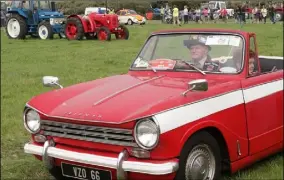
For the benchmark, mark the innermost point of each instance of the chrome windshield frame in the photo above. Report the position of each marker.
(193, 33)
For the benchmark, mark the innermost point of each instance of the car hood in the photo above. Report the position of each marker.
(50, 13)
(138, 17)
(116, 99)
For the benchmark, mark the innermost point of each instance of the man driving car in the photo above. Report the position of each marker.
(199, 53)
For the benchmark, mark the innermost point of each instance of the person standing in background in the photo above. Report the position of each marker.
(176, 15)
(224, 13)
(271, 12)
(253, 15)
(185, 15)
(162, 12)
(264, 13)
(197, 15)
(205, 14)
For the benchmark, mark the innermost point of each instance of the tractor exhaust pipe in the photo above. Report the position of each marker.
(53, 6)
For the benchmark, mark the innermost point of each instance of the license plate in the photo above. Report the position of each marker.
(84, 173)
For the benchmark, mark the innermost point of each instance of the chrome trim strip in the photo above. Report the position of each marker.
(271, 57)
(91, 159)
(120, 173)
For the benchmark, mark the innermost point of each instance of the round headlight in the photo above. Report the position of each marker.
(32, 121)
(147, 134)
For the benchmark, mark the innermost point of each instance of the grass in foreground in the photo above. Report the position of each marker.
(24, 62)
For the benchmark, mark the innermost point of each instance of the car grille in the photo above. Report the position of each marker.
(112, 136)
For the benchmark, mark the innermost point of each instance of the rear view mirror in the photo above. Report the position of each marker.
(197, 85)
(51, 81)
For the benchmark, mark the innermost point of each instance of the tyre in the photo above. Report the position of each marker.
(123, 33)
(200, 158)
(45, 30)
(129, 22)
(16, 27)
(104, 34)
(278, 17)
(74, 29)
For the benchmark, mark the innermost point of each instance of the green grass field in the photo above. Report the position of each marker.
(25, 62)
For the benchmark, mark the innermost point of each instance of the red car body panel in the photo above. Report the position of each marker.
(246, 111)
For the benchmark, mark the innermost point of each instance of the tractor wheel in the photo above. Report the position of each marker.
(74, 29)
(123, 33)
(16, 27)
(104, 34)
(45, 30)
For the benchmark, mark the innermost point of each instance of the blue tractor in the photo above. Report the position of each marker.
(37, 18)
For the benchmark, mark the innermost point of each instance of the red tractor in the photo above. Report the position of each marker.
(95, 26)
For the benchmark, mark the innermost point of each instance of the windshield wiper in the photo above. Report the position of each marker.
(153, 69)
(194, 67)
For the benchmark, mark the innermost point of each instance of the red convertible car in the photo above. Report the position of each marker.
(195, 103)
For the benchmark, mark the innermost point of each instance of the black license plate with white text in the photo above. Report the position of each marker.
(84, 173)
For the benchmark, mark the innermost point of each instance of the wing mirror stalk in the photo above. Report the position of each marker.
(51, 81)
(197, 85)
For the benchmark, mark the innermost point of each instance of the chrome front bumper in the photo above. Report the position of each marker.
(49, 152)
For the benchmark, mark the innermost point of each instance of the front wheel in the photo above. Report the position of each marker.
(104, 34)
(45, 30)
(129, 22)
(200, 158)
(123, 33)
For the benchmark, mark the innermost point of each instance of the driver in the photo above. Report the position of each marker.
(199, 53)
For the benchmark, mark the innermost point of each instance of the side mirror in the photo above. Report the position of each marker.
(52, 6)
(197, 85)
(51, 81)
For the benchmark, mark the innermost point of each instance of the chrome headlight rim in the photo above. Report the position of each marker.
(153, 120)
(26, 124)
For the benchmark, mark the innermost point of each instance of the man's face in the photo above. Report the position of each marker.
(198, 52)
(251, 65)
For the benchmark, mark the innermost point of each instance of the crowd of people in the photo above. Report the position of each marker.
(241, 14)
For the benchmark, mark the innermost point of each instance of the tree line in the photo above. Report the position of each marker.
(140, 6)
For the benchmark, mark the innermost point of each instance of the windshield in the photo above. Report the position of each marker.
(207, 52)
(132, 12)
(42, 4)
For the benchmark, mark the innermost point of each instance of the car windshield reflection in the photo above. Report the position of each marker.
(213, 53)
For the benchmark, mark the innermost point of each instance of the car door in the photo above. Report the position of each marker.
(121, 17)
(263, 96)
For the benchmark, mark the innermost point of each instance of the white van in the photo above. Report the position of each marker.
(99, 10)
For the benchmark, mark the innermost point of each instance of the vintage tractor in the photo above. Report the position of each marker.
(34, 17)
(95, 26)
